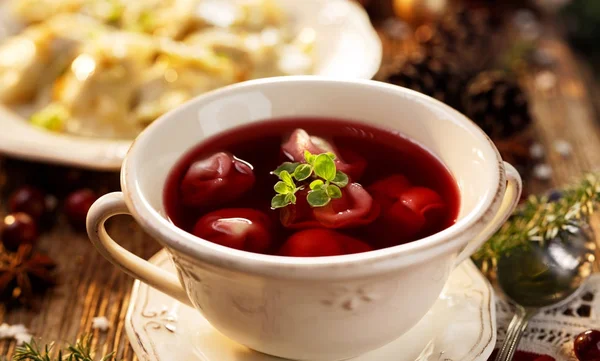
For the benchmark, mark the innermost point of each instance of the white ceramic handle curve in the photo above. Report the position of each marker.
(113, 204)
(509, 203)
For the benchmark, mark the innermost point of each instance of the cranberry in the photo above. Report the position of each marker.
(28, 200)
(72, 178)
(587, 346)
(61, 181)
(77, 206)
(18, 228)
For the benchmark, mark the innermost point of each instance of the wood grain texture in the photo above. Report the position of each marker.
(90, 286)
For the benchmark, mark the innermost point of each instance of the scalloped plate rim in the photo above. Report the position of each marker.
(480, 350)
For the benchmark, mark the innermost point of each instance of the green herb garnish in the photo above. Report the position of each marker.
(325, 180)
(540, 219)
(287, 166)
(286, 190)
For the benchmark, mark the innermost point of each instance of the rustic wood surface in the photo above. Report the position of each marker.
(90, 286)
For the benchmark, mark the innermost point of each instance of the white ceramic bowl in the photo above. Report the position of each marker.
(347, 46)
(322, 308)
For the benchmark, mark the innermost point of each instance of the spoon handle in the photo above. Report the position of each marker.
(515, 330)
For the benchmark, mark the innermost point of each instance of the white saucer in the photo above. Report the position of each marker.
(460, 327)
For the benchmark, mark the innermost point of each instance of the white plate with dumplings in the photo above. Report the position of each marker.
(79, 79)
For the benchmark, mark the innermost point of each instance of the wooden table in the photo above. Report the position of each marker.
(90, 286)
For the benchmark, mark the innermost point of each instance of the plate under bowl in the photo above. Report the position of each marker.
(461, 326)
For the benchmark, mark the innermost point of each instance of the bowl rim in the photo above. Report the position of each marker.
(200, 251)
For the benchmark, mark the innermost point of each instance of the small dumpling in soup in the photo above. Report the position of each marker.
(217, 179)
(354, 208)
(406, 210)
(346, 161)
(239, 228)
(320, 242)
(289, 196)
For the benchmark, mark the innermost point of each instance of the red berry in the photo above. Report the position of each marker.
(587, 346)
(17, 229)
(72, 178)
(321, 242)
(28, 200)
(77, 206)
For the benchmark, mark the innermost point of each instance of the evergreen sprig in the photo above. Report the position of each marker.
(81, 351)
(542, 218)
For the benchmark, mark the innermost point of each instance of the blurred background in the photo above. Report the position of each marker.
(484, 58)
(525, 71)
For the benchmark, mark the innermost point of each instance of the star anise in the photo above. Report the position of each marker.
(24, 273)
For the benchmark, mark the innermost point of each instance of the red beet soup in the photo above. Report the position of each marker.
(308, 187)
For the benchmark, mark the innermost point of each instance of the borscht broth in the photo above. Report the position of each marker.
(308, 187)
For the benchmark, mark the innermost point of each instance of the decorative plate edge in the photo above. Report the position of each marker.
(485, 344)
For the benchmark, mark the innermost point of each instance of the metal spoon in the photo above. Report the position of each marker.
(543, 277)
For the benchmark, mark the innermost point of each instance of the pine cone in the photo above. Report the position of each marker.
(437, 77)
(497, 104)
(464, 34)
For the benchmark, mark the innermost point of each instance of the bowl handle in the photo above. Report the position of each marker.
(510, 200)
(113, 204)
